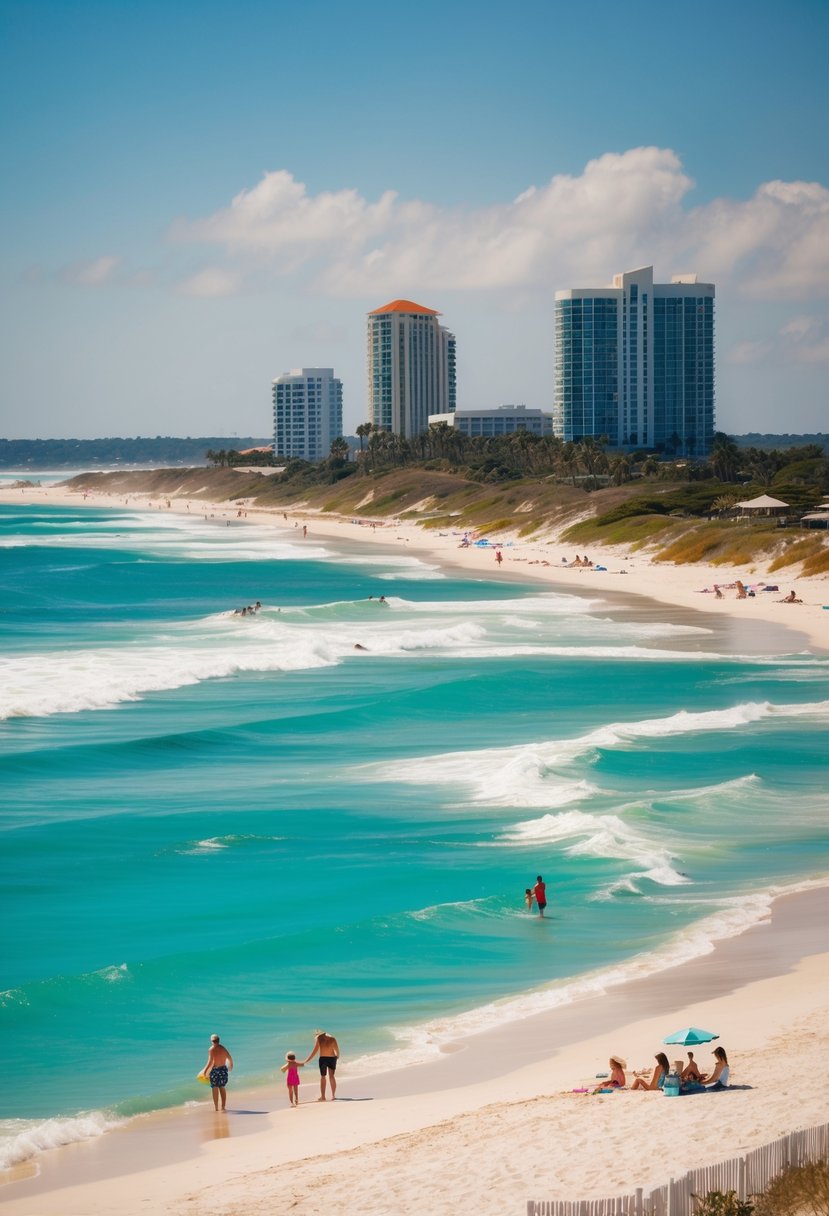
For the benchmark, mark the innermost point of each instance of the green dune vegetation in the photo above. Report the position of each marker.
(523, 485)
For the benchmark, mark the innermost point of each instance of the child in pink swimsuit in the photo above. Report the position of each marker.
(291, 1067)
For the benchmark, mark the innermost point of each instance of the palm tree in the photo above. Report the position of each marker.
(339, 450)
(621, 469)
(569, 461)
(363, 429)
(591, 455)
(724, 457)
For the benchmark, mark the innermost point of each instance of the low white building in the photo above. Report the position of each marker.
(307, 412)
(501, 421)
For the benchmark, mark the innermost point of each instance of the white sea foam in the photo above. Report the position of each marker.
(730, 918)
(113, 974)
(433, 910)
(604, 835)
(181, 536)
(218, 844)
(409, 569)
(526, 774)
(21, 1139)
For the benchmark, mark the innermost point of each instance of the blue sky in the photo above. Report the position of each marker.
(200, 197)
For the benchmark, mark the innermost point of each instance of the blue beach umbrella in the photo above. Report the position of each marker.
(691, 1036)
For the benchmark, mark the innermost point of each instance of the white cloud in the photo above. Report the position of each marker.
(96, 273)
(806, 339)
(803, 339)
(750, 352)
(623, 210)
(212, 283)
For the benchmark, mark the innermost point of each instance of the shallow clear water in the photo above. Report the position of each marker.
(246, 825)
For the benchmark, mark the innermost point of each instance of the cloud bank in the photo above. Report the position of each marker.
(624, 210)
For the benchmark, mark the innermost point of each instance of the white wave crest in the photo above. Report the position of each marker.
(113, 974)
(526, 774)
(21, 1139)
(598, 836)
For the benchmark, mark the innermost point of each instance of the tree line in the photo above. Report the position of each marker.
(589, 463)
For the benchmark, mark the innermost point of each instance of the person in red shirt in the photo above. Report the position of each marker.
(540, 893)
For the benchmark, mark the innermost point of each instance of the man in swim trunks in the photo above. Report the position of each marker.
(329, 1052)
(219, 1063)
(540, 893)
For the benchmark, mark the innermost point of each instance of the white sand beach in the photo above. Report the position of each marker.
(538, 559)
(495, 1122)
(497, 1119)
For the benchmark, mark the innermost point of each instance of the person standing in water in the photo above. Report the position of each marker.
(329, 1053)
(219, 1063)
(540, 893)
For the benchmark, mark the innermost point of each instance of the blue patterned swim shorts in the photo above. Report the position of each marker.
(218, 1076)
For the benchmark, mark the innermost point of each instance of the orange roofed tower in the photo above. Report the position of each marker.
(409, 306)
(411, 367)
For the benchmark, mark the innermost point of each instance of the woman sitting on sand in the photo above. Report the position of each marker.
(617, 1078)
(718, 1079)
(659, 1074)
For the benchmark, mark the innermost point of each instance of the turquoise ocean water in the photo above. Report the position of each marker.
(243, 824)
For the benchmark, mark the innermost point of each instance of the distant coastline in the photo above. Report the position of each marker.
(33, 455)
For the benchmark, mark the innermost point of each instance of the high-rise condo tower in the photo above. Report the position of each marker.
(635, 362)
(411, 367)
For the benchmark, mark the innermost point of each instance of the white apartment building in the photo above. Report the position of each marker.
(307, 412)
(411, 367)
(501, 421)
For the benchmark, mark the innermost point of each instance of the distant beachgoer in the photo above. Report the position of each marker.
(717, 592)
(659, 1074)
(791, 598)
(741, 591)
(357, 646)
(499, 557)
(617, 1078)
(528, 899)
(219, 1063)
(690, 1072)
(718, 1079)
(382, 600)
(304, 529)
(329, 1053)
(540, 893)
(291, 1067)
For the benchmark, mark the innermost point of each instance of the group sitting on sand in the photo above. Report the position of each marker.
(688, 1078)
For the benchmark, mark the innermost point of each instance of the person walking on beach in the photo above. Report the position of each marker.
(329, 1052)
(291, 1067)
(540, 893)
(219, 1063)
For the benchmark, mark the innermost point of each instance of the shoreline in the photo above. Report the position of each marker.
(411, 1102)
(521, 1073)
(629, 577)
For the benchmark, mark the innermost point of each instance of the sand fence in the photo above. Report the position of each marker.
(746, 1176)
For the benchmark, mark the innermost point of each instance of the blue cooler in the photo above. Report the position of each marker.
(671, 1087)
